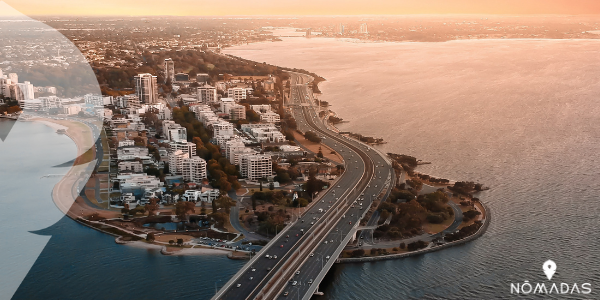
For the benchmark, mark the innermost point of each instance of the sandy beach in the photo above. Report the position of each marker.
(65, 192)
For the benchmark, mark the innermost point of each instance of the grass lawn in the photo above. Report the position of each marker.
(167, 237)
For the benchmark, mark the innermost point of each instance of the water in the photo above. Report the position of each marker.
(166, 226)
(77, 262)
(520, 116)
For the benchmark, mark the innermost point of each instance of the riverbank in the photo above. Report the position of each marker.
(66, 192)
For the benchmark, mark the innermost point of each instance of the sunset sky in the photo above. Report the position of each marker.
(302, 7)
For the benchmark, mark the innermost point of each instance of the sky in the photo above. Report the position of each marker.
(300, 7)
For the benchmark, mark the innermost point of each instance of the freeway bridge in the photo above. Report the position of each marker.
(293, 263)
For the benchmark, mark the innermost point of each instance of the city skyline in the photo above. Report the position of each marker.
(311, 7)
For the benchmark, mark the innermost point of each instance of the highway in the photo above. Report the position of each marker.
(367, 172)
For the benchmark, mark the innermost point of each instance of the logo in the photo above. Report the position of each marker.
(549, 267)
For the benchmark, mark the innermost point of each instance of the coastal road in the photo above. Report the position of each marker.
(315, 267)
(290, 246)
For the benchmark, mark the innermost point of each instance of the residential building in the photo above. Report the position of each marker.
(237, 112)
(169, 70)
(131, 152)
(174, 132)
(236, 93)
(26, 91)
(223, 128)
(206, 195)
(226, 103)
(176, 162)
(193, 169)
(133, 166)
(143, 180)
(269, 117)
(207, 94)
(256, 166)
(146, 88)
(187, 148)
(13, 77)
(95, 100)
(363, 29)
(165, 114)
(261, 108)
(126, 143)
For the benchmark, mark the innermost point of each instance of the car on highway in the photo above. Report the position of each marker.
(327, 257)
(310, 281)
(238, 285)
(286, 293)
(312, 254)
(295, 283)
(297, 272)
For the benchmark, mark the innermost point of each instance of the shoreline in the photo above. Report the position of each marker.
(64, 193)
(476, 235)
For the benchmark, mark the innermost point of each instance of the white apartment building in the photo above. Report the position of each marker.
(26, 90)
(126, 143)
(236, 93)
(261, 108)
(187, 148)
(71, 109)
(130, 152)
(138, 180)
(174, 132)
(146, 88)
(50, 102)
(222, 128)
(231, 147)
(256, 166)
(31, 104)
(176, 162)
(169, 70)
(269, 117)
(133, 166)
(207, 94)
(165, 114)
(207, 195)
(194, 169)
(248, 127)
(95, 100)
(267, 134)
(225, 104)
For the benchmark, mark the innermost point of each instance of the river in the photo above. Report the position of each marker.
(520, 116)
(49, 256)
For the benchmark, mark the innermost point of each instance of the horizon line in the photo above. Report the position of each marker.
(313, 15)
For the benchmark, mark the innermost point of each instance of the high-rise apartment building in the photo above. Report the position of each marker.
(169, 70)
(146, 88)
(363, 28)
(256, 166)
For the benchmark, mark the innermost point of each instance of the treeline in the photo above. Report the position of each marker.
(366, 139)
(10, 107)
(466, 187)
(464, 232)
(409, 212)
